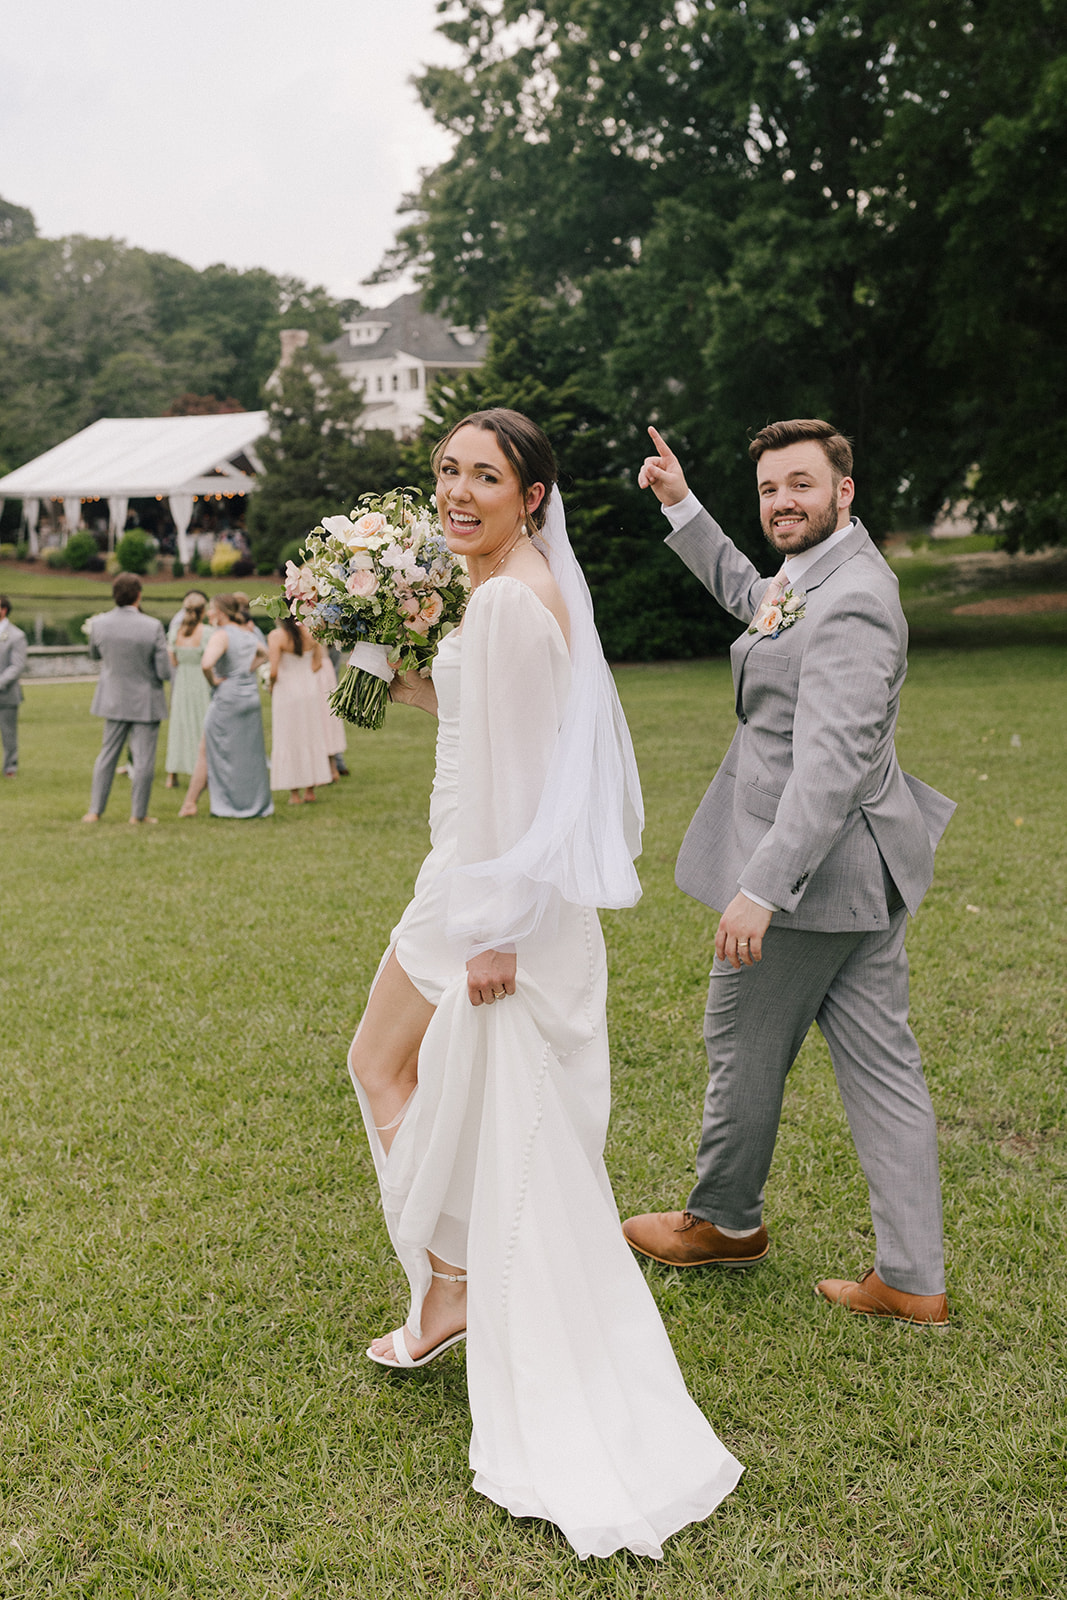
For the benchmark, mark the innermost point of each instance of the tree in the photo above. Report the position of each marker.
(16, 224)
(763, 208)
(317, 460)
(93, 327)
(647, 606)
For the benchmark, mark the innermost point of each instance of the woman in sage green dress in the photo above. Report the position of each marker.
(238, 778)
(190, 692)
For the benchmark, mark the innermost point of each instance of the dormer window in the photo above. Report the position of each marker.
(364, 333)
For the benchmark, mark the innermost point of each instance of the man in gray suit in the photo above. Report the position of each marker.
(129, 696)
(814, 846)
(12, 666)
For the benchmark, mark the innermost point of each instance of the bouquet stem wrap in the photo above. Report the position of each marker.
(362, 694)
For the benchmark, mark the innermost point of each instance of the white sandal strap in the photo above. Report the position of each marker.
(386, 1127)
(450, 1277)
(400, 1349)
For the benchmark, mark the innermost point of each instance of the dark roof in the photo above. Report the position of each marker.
(412, 330)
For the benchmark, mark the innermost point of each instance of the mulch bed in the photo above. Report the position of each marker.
(1022, 605)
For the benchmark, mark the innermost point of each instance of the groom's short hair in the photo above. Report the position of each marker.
(126, 588)
(835, 447)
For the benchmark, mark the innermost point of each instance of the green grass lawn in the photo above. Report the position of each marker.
(196, 1260)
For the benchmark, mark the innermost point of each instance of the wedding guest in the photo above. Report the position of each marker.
(814, 845)
(12, 666)
(336, 737)
(298, 755)
(190, 693)
(132, 650)
(195, 597)
(481, 1062)
(245, 619)
(234, 766)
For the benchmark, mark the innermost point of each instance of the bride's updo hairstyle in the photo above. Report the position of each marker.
(525, 446)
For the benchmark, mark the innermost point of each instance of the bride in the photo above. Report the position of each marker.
(481, 1062)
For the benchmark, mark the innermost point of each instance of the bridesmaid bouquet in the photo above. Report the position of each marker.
(382, 583)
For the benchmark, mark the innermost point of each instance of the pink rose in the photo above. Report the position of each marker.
(432, 608)
(407, 604)
(370, 524)
(361, 584)
(419, 624)
(769, 619)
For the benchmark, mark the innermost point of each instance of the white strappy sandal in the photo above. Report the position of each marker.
(404, 1358)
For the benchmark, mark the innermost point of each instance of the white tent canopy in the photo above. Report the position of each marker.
(125, 458)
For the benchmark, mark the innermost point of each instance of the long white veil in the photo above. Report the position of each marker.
(586, 831)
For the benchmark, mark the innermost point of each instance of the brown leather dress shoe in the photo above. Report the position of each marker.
(678, 1239)
(873, 1298)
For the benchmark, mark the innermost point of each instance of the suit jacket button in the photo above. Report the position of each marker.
(743, 717)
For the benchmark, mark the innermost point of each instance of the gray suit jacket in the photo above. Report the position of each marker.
(810, 799)
(12, 665)
(133, 650)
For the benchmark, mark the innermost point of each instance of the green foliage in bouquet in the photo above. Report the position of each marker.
(382, 577)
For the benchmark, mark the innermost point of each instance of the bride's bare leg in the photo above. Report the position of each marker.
(444, 1312)
(385, 1056)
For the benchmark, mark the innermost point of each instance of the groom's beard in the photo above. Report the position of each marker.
(812, 529)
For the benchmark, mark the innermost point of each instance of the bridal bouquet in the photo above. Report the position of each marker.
(382, 583)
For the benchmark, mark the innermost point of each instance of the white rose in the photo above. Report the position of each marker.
(339, 527)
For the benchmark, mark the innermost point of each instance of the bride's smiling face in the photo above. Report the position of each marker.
(479, 497)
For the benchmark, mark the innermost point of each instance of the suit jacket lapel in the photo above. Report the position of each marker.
(833, 558)
(811, 580)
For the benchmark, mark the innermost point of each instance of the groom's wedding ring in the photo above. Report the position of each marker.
(742, 941)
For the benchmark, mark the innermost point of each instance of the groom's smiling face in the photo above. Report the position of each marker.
(801, 503)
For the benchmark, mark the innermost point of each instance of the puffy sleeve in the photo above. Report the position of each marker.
(514, 687)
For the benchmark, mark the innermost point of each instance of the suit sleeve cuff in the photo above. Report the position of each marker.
(683, 512)
(759, 900)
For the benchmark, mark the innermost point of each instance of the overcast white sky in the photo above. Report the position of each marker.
(254, 132)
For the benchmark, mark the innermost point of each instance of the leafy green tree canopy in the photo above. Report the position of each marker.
(757, 208)
(317, 459)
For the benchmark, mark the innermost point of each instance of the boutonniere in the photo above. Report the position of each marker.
(773, 617)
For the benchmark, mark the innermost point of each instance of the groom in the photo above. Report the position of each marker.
(814, 845)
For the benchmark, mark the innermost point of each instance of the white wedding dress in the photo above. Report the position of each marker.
(579, 1409)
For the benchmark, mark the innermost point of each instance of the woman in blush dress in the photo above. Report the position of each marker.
(298, 755)
(237, 775)
(190, 694)
(336, 738)
(481, 1062)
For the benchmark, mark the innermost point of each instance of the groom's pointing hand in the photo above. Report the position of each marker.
(663, 473)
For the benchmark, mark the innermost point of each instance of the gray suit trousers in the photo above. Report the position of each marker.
(855, 986)
(9, 733)
(142, 737)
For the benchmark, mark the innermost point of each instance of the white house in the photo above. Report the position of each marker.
(393, 353)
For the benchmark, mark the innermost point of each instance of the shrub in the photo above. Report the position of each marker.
(224, 558)
(80, 550)
(201, 567)
(96, 563)
(8, 552)
(178, 568)
(55, 557)
(242, 568)
(291, 552)
(264, 569)
(135, 551)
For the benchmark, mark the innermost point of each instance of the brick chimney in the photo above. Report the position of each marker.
(293, 339)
